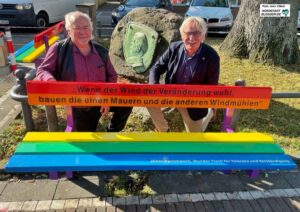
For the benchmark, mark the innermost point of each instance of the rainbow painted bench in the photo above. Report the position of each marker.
(56, 152)
(67, 152)
(33, 49)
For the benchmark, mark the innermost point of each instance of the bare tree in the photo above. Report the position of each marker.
(270, 40)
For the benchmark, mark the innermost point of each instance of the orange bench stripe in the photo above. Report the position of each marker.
(85, 100)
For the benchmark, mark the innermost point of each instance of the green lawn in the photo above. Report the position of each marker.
(282, 119)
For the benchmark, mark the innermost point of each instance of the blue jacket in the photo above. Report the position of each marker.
(207, 70)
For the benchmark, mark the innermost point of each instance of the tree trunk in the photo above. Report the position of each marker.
(270, 40)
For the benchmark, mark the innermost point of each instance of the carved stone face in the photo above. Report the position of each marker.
(139, 45)
(137, 49)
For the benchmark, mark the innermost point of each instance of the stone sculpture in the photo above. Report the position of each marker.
(139, 46)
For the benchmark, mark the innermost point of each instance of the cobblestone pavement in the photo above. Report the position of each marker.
(175, 191)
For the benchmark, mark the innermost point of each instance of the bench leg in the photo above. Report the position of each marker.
(56, 175)
(253, 173)
(53, 175)
(227, 171)
(69, 174)
(70, 124)
(226, 127)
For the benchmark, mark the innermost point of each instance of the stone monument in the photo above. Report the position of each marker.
(131, 48)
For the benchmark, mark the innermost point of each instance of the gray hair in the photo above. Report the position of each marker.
(199, 22)
(72, 16)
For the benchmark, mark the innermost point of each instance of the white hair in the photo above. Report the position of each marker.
(199, 23)
(72, 16)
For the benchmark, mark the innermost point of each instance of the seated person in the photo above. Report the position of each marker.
(78, 59)
(189, 61)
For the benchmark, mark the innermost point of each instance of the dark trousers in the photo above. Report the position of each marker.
(86, 119)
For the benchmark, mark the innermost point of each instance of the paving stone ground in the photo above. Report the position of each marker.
(175, 191)
(269, 204)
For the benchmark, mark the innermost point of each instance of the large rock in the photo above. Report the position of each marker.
(164, 22)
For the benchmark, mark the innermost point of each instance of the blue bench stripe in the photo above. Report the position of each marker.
(96, 162)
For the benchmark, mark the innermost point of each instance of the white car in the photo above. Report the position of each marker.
(39, 13)
(216, 13)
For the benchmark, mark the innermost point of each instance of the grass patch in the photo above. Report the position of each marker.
(11, 137)
(133, 184)
(281, 121)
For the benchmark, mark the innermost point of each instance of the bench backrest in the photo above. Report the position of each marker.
(116, 94)
(39, 39)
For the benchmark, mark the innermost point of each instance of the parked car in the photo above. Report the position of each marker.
(39, 13)
(216, 13)
(128, 5)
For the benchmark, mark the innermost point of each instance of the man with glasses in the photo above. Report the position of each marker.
(79, 59)
(189, 61)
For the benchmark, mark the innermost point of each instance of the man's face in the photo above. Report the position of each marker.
(80, 32)
(192, 38)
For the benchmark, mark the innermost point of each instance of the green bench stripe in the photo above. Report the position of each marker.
(146, 147)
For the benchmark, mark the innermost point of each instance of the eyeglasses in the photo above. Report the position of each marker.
(84, 28)
(195, 33)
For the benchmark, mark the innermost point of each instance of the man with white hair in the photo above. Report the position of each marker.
(189, 61)
(79, 59)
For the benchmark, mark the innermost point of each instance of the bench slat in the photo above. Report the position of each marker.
(146, 147)
(96, 162)
(147, 136)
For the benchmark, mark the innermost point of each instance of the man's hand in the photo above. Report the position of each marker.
(104, 110)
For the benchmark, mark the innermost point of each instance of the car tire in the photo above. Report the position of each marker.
(42, 20)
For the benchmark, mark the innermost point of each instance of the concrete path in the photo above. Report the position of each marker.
(9, 108)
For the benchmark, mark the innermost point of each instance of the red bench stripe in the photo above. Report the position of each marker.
(114, 94)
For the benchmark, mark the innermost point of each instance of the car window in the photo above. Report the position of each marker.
(142, 3)
(210, 3)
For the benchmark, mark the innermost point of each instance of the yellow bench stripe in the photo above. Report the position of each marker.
(146, 136)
